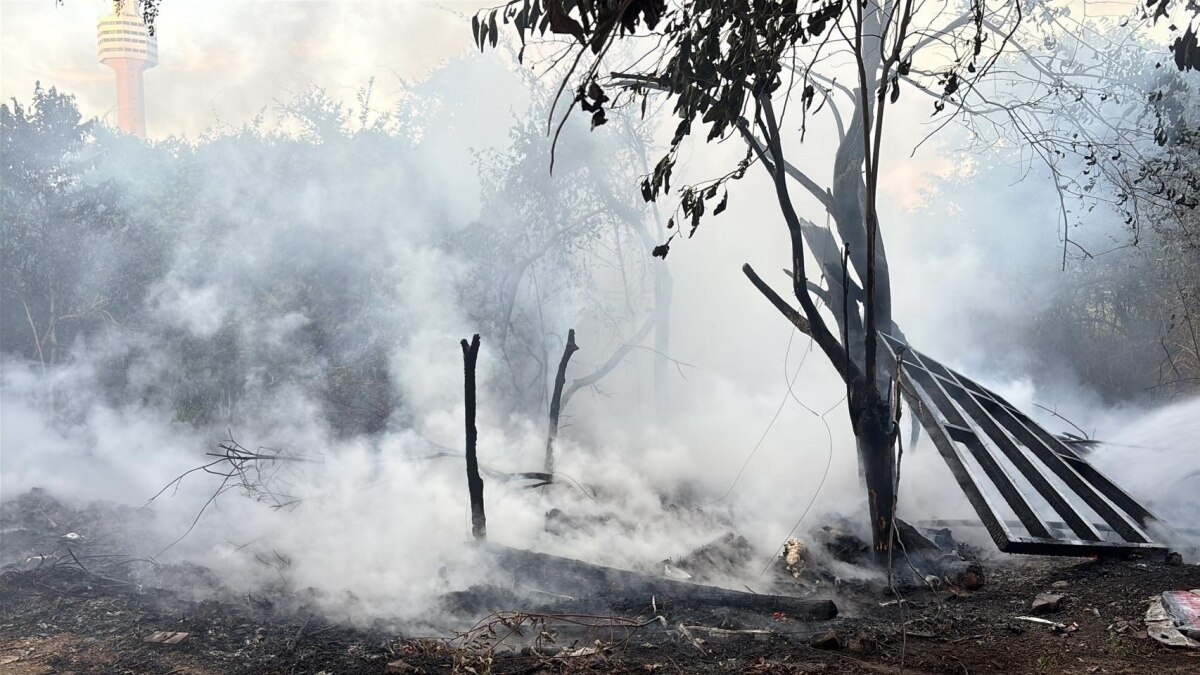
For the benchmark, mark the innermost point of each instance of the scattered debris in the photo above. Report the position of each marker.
(1161, 627)
(725, 556)
(843, 546)
(687, 635)
(1054, 625)
(944, 539)
(1173, 619)
(928, 559)
(756, 634)
(1046, 603)
(1060, 584)
(401, 666)
(827, 640)
(165, 637)
(1123, 627)
(794, 553)
(1038, 620)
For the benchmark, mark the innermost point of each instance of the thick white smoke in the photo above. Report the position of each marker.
(759, 432)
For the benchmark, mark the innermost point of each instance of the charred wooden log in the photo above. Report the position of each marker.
(575, 578)
(927, 558)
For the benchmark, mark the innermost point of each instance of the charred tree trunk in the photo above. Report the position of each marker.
(474, 482)
(560, 379)
(874, 436)
(874, 431)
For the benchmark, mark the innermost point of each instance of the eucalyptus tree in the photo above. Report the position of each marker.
(763, 72)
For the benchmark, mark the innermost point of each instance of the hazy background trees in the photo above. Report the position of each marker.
(180, 274)
(1119, 320)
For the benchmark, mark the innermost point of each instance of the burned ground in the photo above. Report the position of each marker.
(81, 608)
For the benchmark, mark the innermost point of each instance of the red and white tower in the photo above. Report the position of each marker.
(127, 47)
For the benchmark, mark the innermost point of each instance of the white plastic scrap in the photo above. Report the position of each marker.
(794, 554)
(1055, 626)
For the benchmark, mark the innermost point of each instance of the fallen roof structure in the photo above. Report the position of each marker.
(1016, 475)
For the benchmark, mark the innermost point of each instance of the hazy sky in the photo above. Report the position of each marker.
(225, 59)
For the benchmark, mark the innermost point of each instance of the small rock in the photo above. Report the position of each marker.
(863, 644)
(827, 640)
(1174, 558)
(971, 577)
(1045, 603)
(1059, 584)
(400, 667)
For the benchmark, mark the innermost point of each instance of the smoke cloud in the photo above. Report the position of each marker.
(294, 253)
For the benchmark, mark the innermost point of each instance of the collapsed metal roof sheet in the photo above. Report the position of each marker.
(1033, 492)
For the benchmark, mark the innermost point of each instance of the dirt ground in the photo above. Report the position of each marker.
(82, 613)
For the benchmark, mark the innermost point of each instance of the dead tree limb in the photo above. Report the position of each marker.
(556, 401)
(255, 473)
(612, 362)
(784, 308)
(474, 482)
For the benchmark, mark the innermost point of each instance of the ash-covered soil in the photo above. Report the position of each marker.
(83, 609)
